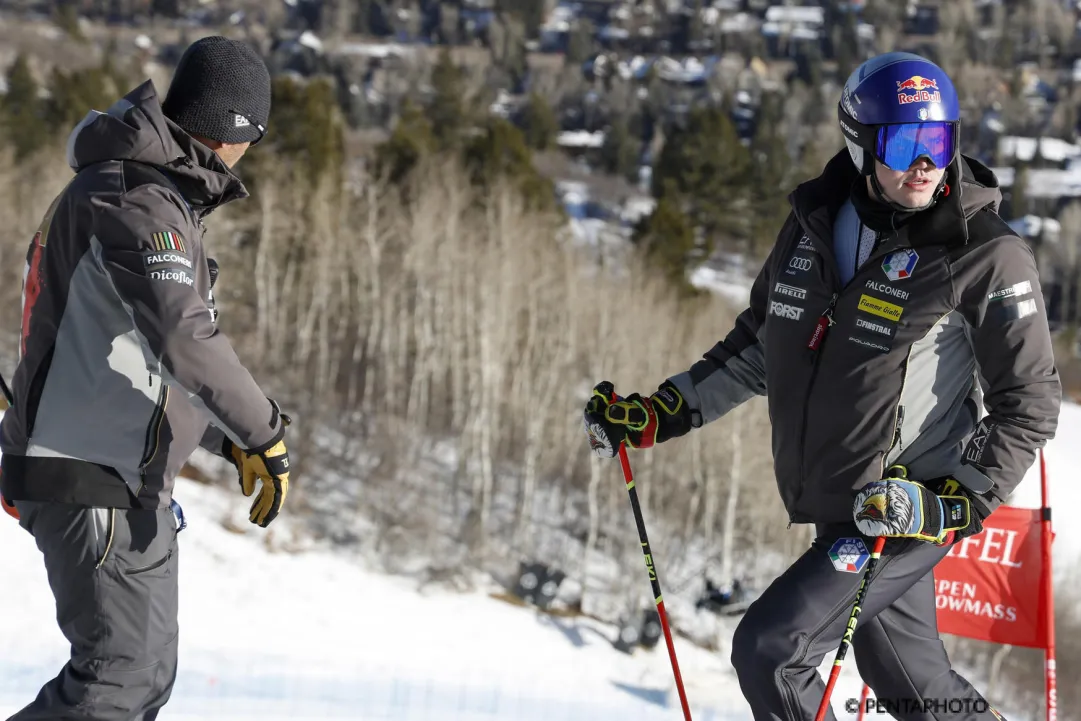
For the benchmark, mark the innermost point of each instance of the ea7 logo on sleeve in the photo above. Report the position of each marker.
(874, 306)
(783, 310)
(974, 452)
(790, 291)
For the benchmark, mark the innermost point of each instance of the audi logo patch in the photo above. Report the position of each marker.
(798, 263)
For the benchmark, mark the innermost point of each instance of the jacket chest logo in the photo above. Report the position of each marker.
(900, 264)
(790, 290)
(799, 264)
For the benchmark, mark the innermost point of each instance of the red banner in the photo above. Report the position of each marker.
(989, 585)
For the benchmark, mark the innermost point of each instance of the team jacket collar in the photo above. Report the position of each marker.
(969, 187)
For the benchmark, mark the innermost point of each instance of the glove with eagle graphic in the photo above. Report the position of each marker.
(641, 422)
(897, 507)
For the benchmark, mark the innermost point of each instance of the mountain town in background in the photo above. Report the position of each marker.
(467, 212)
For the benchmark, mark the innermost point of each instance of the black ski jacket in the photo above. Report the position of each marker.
(945, 319)
(122, 370)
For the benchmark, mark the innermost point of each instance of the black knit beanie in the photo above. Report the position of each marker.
(220, 91)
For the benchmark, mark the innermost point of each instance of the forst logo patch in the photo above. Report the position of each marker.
(783, 310)
(924, 90)
(900, 264)
(849, 554)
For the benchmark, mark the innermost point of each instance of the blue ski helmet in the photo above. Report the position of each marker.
(897, 108)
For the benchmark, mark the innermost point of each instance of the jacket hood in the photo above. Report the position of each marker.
(969, 187)
(136, 129)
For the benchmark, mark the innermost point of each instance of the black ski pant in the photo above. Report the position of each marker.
(113, 573)
(800, 619)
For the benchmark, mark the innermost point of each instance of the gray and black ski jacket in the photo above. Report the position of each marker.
(945, 319)
(122, 371)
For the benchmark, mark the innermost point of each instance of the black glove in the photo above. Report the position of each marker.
(938, 511)
(641, 422)
(270, 465)
(952, 492)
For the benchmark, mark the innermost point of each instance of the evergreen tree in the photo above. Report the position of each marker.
(447, 107)
(165, 8)
(539, 123)
(411, 139)
(529, 12)
(771, 171)
(705, 162)
(73, 94)
(506, 46)
(499, 153)
(666, 237)
(619, 154)
(847, 44)
(66, 17)
(307, 127)
(580, 43)
(21, 111)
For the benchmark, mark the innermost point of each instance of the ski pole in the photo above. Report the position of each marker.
(637, 508)
(846, 639)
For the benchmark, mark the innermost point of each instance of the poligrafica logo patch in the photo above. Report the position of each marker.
(849, 554)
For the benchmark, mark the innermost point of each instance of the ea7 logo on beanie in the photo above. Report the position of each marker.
(240, 121)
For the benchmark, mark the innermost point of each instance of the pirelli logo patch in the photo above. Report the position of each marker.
(881, 308)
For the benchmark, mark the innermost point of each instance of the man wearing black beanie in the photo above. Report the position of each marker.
(123, 374)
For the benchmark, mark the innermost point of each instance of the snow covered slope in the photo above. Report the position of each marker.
(305, 633)
(312, 634)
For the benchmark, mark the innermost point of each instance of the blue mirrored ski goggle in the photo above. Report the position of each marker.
(899, 146)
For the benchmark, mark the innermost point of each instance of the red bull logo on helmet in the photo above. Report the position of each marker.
(922, 90)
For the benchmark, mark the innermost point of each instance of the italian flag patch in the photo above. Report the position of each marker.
(168, 240)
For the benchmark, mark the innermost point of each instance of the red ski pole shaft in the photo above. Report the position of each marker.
(637, 508)
(846, 639)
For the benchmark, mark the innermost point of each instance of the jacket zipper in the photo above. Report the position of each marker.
(818, 337)
(900, 416)
(153, 431)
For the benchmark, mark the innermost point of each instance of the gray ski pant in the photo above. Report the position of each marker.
(799, 619)
(113, 573)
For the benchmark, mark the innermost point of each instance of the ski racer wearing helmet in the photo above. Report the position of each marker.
(899, 333)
